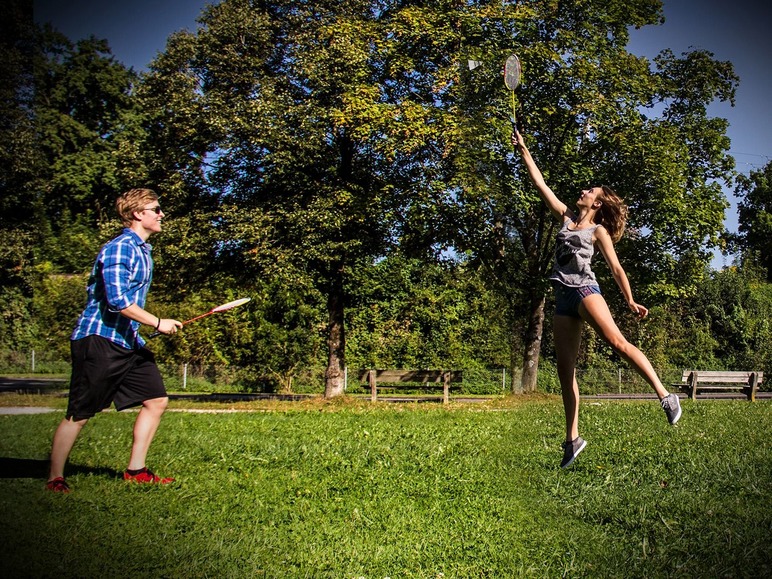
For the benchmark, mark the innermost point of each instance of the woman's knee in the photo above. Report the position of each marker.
(621, 345)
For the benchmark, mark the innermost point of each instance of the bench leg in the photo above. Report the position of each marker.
(693, 385)
(446, 389)
(753, 388)
(373, 386)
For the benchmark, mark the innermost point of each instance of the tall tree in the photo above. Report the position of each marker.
(276, 90)
(755, 211)
(589, 106)
(85, 116)
(348, 127)
(19, 163)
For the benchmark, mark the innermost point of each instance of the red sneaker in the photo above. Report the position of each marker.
(58, 485)
(146, 476)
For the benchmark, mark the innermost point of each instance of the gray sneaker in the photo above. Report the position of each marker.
(672, 407)
(571, 450)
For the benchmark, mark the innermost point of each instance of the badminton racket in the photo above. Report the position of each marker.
(222, 308)
(512, 71)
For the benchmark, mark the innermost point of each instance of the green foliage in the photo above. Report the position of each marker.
(393, 491)
(84, 112)
(340, 164)
(755, 213)
(405, 313)
(17, 278)
(732, 313)
(58, 301)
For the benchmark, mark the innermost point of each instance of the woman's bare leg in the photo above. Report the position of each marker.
(595, 312)
(568, 338)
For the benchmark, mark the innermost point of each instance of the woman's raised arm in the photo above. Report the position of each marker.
(556, 206)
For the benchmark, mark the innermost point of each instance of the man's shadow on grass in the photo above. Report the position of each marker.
(38, 468)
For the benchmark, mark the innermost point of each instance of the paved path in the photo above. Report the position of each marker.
(7, 410)
(54, 385)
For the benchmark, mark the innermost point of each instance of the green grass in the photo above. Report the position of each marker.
(351, 490)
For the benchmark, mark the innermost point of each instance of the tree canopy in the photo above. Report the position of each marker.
(341, 162)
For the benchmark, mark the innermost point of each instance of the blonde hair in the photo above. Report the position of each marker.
(612, 213)
(131, 201)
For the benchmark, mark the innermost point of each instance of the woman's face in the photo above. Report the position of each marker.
(589, 197)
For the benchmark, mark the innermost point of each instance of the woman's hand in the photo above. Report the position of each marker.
(517, 139)
(639, 310)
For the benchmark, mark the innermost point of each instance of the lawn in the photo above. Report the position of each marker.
(350, 490)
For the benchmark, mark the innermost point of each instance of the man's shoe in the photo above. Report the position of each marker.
(146, 476)
(571, 450)
(58, 485)
(672, 407)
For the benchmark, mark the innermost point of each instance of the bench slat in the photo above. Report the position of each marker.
(692, 380)
(723, 379)
(394, 376)
(410, 379)
(717, 376)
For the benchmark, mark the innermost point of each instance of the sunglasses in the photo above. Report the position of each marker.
(156, 209)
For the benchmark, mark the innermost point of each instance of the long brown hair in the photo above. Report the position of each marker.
(612, 213)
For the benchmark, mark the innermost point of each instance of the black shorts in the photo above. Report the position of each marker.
(104, 373)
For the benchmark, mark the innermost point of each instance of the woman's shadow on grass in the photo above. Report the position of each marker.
(38, 468)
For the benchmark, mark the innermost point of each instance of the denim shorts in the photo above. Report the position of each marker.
(567, 299)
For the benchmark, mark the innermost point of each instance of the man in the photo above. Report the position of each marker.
(109, 361)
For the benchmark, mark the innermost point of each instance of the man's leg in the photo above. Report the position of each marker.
(145, 427)
(64, 439)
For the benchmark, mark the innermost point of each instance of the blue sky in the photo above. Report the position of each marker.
(736, 31)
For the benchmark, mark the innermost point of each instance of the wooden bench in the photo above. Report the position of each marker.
(416, 379)
(748, 382)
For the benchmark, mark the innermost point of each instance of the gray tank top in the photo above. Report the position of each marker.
(573, 253)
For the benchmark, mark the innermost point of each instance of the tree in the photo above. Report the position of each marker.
(350, 128)
(84, 114)
(278, 92)
(755, 212)
(582, 100)
(407, 313)
(733, 309)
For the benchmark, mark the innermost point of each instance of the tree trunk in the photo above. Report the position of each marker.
(533, 342)
(334, 376)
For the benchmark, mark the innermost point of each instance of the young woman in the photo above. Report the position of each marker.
(599, 221)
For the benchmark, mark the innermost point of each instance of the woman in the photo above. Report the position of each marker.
(599, 221)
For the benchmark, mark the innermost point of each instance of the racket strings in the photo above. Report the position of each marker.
(230, 305)
(512, 71)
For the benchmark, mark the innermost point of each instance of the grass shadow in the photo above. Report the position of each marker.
(23, 467)
(38, 468)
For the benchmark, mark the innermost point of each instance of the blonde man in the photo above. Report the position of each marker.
(110, 364)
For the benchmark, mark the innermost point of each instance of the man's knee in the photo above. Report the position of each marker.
(156, 404)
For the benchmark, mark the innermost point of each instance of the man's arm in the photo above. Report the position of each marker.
(163, 325)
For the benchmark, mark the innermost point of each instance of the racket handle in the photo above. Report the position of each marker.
(153, 335)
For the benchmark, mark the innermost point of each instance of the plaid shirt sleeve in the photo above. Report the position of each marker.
(121, 277)
(119, 263)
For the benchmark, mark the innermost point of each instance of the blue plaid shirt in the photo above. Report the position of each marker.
(121, 277)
